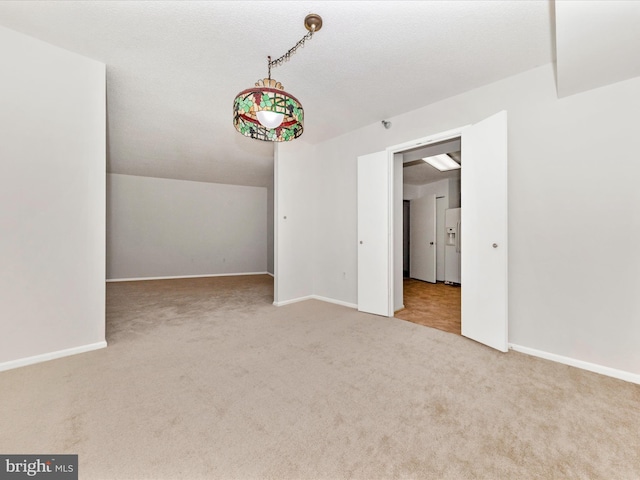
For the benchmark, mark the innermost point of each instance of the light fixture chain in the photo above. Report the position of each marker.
(292, 50)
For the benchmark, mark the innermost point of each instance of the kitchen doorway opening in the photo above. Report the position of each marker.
(431, 248)
(484, 238)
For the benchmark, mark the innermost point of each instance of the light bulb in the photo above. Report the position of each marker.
(270, 119)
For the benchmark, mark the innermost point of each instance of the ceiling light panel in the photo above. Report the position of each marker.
(442, 162)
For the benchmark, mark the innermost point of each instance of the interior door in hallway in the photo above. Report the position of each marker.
(442, 203)
(423, 238)
(406, 222)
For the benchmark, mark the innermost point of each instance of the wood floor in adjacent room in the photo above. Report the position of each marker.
(434, 305)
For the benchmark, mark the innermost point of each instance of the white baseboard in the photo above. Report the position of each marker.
(315, 297)
(337, 302)
(270, 274)
(294, 300)
(23, 362)
(592, 367)
(139, 279)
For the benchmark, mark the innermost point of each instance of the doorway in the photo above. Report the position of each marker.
(428, 193)
(484, 237)
(433, 305)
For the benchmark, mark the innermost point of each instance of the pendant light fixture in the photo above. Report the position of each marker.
(266, 112)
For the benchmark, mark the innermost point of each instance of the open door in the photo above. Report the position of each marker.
(374, 275)
(484, 232)
(423, 238)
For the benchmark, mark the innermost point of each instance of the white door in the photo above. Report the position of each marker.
(442, 203)
(422, 262)
(484, 232)
(374, 275)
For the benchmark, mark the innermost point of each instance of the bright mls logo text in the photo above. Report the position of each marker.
(58, 467)
(30, 468)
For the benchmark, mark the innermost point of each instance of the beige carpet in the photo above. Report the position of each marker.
(204, 378)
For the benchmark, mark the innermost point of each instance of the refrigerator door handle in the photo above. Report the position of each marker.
(458, 237)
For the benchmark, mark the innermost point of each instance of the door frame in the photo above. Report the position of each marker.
(440, 228)
(394, 198)
(394, 157)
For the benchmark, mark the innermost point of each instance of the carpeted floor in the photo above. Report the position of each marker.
(205, 379)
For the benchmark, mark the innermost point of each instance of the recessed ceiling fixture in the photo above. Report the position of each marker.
(442, 162)
(266, 112)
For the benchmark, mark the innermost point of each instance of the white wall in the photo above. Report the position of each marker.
(398, 233)
(449, 188)
(294, 227)
(454, 192)
(270, 220)
(157, 227)
(439, 189)
(572, 282)
(410, 192)
(52, 201)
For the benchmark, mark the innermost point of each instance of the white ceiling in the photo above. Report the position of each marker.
(598, 43)
(422, 173)
(417, 172)
(174, 68)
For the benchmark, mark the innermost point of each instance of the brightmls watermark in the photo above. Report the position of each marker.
(46, 467)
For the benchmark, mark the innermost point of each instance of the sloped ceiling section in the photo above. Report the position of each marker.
(174, 68)
(597, 43)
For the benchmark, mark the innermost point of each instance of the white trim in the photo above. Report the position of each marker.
(401, 308)
(592, 367)
(139, 279)
(421, 142)
(270, 274)
(45, 357)
(316, 297)
(294, 300)
(334, 301)
(276, 228)
(391, 151)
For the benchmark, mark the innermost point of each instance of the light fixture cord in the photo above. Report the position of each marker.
(290, 52)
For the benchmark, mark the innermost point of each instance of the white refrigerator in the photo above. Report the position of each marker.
(452, 250)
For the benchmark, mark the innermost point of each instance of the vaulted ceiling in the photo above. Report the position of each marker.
(174, 68)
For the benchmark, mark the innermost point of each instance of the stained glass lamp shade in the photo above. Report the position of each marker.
(268, 113)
